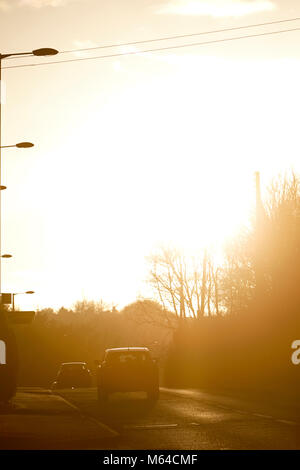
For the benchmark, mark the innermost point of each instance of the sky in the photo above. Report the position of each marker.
(137, 150)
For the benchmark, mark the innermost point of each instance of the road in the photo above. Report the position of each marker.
(187, 419)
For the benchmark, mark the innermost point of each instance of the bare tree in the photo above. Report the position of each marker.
(185, 285)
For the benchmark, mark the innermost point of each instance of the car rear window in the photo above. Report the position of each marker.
(127, 357)
(72, 368)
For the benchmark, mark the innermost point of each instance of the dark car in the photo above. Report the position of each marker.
(72, 375)
(128, 370)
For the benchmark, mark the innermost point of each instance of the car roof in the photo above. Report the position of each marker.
(72, 363)
(126, 349)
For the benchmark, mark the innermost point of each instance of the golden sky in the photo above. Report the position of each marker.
(136, 150)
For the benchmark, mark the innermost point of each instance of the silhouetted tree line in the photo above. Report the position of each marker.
(83, 333)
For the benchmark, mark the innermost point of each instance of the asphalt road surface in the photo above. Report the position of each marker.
(187, 419)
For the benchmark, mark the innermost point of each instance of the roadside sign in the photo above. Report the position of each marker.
(20, 317)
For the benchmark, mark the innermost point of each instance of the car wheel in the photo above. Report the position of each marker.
(153, 395)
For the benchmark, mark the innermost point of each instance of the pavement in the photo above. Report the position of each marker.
(38, 419)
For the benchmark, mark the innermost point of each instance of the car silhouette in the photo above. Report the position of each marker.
(127, 370)
(72, 375)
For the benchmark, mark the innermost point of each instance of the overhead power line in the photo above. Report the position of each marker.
(181, 36)
(158, 49)
(168, 38)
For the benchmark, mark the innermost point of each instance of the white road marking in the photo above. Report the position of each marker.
(285, 421)
(149, 426)
(262, 416)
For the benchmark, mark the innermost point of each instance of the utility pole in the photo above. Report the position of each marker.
(8, 375)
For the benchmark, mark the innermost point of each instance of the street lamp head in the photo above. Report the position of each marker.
(6, 256)
(24, 145)
(30, 292)
(2, 188)
(44, 51)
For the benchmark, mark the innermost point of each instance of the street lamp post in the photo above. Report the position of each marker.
(35, 52)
